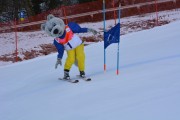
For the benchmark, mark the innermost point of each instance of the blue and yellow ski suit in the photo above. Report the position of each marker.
(73, 45)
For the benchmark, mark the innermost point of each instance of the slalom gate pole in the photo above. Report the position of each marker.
(104, 19)
(117, 71)
(156, 7)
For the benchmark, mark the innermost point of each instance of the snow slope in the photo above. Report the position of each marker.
(148, 87)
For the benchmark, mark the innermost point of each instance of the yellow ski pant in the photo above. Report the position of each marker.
(75, 54)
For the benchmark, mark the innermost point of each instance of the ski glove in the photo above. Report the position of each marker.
(92, 30)
(58, 62)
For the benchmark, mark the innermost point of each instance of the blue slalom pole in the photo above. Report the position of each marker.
(104, 18)
(117, 71)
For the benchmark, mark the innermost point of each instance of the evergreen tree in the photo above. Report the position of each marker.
(82, 1)
(74, 1)
(54, 3)
(36, 6)
(10, 9)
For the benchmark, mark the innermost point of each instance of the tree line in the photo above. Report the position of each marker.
(11, 9)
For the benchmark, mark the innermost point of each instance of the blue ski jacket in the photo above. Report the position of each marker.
(75, 29)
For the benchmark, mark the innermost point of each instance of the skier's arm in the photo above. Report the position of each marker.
(60, 49)
(76, 28)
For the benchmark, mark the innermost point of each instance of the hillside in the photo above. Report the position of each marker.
(147, 88)
(38, 43)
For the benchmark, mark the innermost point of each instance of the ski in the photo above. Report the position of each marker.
(76, 80)
(84, 78)
(70, 80)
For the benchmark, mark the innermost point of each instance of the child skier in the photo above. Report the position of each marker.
(66, 39)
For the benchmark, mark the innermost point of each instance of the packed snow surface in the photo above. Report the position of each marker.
(147, 88)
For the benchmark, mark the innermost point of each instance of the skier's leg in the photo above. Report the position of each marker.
(80, 56)
(69, 61)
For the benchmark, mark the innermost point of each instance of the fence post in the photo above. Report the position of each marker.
(156, 7)
(65, 15)
(114, 12)
(16, 41)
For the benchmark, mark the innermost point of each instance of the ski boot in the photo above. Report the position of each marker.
(82, 74)
(66, 75)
